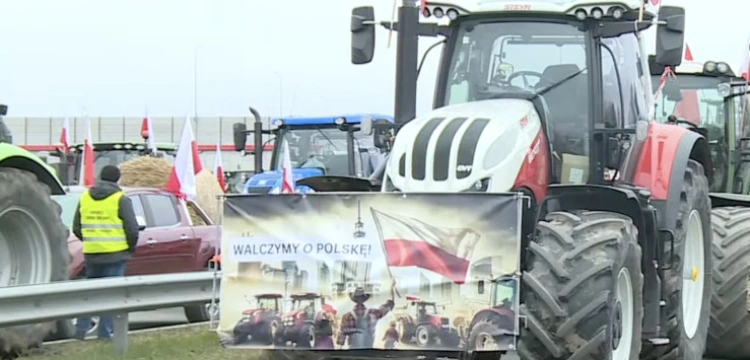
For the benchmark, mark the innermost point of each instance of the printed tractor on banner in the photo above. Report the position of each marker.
(310, 323)
(261, 323)
(494, 328)
(423, 325)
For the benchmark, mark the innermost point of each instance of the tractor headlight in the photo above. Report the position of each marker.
(709, 66)
(277, 122)
(479, 186)
(724, 89)
(722, 67)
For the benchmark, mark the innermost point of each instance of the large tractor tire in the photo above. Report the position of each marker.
(583, 296)
(33, 248)
(687, 282)
(729, 328)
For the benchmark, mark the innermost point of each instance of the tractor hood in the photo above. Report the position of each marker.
(460, 147)
(269, 182)
(293, 313)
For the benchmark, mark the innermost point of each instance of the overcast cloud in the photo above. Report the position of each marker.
(116, 57)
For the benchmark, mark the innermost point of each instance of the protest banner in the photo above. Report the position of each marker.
(370, 271)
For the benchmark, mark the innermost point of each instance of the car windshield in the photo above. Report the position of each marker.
(496, 58)
(324, 148)
(692, 98)
(68, 203)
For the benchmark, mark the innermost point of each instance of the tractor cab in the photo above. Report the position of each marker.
(107, 153)
(321, 146)
(705, 97)
(263, 303)
(526, 95)
(307, 304)
(421, 309)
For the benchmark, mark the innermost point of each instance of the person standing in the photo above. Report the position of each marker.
(106, 223)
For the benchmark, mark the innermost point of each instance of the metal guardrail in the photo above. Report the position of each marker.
(30, 304)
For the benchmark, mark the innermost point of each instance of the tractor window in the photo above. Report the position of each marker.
(268, 303)
(691, 98)
(627, 59)
(494, 59)
(426, 309)
(611, 88)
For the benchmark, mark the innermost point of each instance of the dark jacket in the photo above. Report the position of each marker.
(102, 190)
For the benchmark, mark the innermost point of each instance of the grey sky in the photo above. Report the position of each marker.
(115, 57)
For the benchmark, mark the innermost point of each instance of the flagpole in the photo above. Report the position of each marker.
(385, 252)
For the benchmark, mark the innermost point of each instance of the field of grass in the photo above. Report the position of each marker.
(175, 344)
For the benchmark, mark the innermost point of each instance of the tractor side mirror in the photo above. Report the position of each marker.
(480, 287)
(363, 34)
(240, 136)
(365, 127)
(141, 223)
(670, 35)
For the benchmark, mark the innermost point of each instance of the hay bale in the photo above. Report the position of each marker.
(146, 171)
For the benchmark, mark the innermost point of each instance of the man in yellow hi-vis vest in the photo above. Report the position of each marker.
(106, 223)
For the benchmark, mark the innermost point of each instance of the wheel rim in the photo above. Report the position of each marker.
(212, 310)
(94, 325)
(622, 322)
(692, 274)
(422, 336)
(25, 256)
(311, 333)
(485, 342)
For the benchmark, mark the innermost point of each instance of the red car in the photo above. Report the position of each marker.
(168, 241)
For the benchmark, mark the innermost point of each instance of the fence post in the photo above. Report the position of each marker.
(120, 332)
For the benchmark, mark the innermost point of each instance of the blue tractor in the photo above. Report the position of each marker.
(325, 151)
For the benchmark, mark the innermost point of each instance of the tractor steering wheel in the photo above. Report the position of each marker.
(685, 122)
(524, 74)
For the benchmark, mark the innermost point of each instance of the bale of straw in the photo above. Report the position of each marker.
(146, 171)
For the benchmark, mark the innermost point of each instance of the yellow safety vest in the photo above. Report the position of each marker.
(101, 226)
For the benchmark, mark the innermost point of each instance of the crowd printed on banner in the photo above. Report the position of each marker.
(255, 249)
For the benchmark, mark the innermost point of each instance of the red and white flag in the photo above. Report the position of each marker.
(411, 242)
(87, 176)
(287, 186)
(148, 134)
(65, 135)
(182, 182)
(219, 169)
(689, 107)
(746, 61)
(688, 53)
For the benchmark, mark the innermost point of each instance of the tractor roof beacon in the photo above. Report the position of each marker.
(712, 99)
(605, 182)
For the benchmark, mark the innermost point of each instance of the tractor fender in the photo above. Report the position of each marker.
(727, 200)
(19, 158)
(671, 147)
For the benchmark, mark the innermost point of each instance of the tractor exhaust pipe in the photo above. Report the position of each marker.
(407, 58)
(258, 134)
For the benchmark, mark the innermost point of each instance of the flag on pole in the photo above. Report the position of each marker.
(65, 135)
(287, 186)
(182, 181)
(148, 134)
(87, 176)
(746, 61)
(688, 53)
(411, 242)
(219, 169)
(668, 74)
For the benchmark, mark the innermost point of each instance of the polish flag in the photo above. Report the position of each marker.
(182, 182)
(689, 107)
(87, 177)
(148, 134)
(65, 135)
(287, 186)
(219, 169)
(688, 53)
(411, 242)
(746, 61)
(197, 163)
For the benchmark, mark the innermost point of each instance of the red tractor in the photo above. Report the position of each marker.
(495, 328)
(261, 323)
(424, 326)
(310, 319)
(553, 100)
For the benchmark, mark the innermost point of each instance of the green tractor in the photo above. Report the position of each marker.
(33, 239)
(710, 98)
(107, 153)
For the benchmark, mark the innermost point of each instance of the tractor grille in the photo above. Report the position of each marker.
(259, 190)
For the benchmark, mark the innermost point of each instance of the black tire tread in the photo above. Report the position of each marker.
(694, 195)
(22, 188)
(567, 290)
(729, 328)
